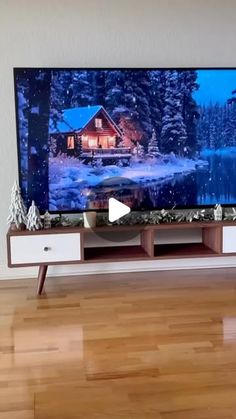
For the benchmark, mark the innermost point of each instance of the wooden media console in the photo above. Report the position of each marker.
(68, 245)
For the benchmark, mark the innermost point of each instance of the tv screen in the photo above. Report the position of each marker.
(170, 132)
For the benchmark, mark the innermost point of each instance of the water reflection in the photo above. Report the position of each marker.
(216, 183)
(207, 185)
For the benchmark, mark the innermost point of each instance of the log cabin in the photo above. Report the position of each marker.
(89, 133)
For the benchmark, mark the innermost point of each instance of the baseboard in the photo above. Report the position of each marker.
(119, 267)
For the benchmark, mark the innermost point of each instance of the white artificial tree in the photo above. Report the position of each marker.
(33, 218)
(47, 220)
(17, 209)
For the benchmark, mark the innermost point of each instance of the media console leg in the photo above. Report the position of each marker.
(41, 278)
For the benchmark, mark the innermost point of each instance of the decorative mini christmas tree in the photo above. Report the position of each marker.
(47, 220)
(218, 213)
(33, 218)
(17, 216)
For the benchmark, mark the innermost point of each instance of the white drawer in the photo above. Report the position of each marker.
(45, 248)
(229, 239)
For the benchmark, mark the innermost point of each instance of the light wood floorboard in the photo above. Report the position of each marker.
(154, 345)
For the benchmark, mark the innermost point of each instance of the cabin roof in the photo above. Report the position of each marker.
(75, 119)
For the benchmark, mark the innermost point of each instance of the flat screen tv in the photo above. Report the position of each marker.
(171, 132)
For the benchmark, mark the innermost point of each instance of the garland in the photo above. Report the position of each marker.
(152, 217)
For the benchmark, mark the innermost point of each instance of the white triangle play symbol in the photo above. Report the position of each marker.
(116, 209)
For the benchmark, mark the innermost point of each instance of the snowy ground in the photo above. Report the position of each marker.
(70, 179)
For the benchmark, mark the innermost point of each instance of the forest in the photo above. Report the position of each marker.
(216, 127)
(141, 102)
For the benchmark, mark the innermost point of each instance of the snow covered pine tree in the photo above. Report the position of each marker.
(17, 216)
(153, 149)
(173, 135)
(33, 218)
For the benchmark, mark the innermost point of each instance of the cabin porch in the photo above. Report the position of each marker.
(108, 155)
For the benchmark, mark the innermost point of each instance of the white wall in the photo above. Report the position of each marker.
(103, 33)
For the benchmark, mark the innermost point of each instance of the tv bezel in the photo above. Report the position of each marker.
(78, 211)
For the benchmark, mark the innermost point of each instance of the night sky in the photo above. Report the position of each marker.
(215, 86)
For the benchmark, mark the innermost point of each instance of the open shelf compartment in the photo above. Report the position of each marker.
(206, 242)
(140, 247)
(178, 250)
(114, 253)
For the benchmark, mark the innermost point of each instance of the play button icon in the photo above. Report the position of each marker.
(114, 197)
(116, 210)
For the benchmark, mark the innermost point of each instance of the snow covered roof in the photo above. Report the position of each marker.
(73, 119)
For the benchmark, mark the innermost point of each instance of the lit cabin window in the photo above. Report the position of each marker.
(98, 122)
(92, 142)
(70, 142)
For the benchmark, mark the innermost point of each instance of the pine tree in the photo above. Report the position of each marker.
(17, 207)
(33, 218)
(231, 121)
(138, 151)
(127, 101)
(137, 88)
(188, 85)
(153, 149)
(212, 135)
(99, 87)
(141, 152)
(69, 89)
(61, 92)
(203, 128)
(218, 123)
(156, 99)
(173, 135)
(114, 100)
(81, 89)
(212, 130)
(60, 97)
(226, 131)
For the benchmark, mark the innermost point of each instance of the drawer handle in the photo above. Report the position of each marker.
(46, 248)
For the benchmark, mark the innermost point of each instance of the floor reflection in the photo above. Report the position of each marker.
(229, 329)
(48, 344)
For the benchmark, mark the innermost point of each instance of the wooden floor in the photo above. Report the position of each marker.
(145, 346)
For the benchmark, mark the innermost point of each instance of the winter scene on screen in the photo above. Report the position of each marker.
(171, 132)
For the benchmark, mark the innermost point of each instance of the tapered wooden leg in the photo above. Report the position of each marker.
(41, 278)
